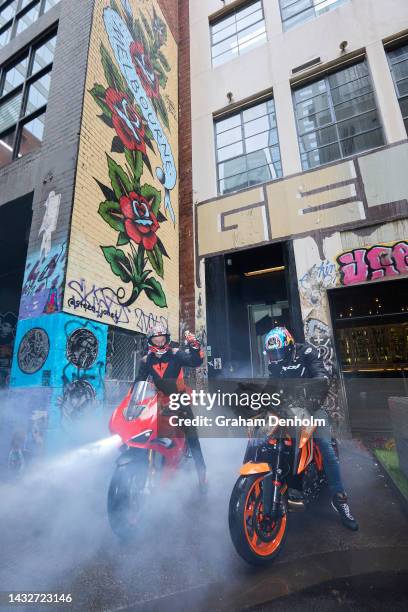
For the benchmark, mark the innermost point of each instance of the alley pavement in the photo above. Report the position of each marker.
(55, 537)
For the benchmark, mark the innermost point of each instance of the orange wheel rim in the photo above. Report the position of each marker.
(252, 514)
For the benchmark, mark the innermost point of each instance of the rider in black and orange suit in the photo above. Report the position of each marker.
(164, 365)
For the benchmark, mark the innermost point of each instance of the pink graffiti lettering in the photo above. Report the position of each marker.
(360, 265)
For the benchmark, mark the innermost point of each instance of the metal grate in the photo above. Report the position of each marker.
(125, 349)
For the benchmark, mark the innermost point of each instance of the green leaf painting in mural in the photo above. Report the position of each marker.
(118, 262)
(98, 92)
(155, 258)
(153, 195)
(147, 27)
(112, 214)
(161, 109)
(162, 248)
(121, 184)
(117, 145)
(163, 60)
(154, 292)
(112, 74)
(135, 161)
(122, 239)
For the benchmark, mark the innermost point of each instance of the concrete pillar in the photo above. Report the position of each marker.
(288, 140)
(384, 88)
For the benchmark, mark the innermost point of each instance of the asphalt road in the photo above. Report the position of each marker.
(55, 537)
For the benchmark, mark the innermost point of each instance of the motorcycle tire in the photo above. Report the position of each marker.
(125, 502)
(257, 541)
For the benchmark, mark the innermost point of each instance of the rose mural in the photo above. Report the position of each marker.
(132, 207)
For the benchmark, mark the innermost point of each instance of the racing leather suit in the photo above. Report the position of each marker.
(305, 363)
(168, 377)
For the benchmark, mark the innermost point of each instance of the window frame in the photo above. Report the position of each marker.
(228, 15)
(240, 111)
(20, 12)
(391, 64)
(331, 107)
(24, 88)
(315, 13)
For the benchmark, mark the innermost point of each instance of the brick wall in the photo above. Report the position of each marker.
(170, 10)
(187, 274)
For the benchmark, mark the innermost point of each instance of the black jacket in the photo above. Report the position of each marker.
(167, 370)
(308, 366)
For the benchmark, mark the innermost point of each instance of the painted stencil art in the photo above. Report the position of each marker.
(123, 254)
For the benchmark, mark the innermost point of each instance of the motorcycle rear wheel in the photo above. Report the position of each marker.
(125, 502)
(256, 539)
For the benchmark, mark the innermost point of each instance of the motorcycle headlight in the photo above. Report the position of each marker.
(133, 411)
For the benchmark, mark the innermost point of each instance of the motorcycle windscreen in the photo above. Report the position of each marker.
(143, 391)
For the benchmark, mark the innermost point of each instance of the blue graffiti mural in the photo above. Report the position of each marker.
(66, 355)
(43, 279)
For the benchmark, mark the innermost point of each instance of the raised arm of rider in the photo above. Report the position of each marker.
(192, 358)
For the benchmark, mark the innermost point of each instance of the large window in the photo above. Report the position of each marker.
(24, 87)
(337, 116)
(240, 31)
(17, 15)
(398, 59)
(247, 147)
(298, 11)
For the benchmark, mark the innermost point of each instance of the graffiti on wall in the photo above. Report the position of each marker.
(105, 302)
(131, 251)
(33, 350)
(373, 263)
(83, 372)
(8, 323)
(313, 284)
(49, 222)
(62, 359)
(317, 274)
(42, 285)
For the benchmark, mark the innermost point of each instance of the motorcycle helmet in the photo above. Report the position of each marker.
(279, 344)
(159, 329)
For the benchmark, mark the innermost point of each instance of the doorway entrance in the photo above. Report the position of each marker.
(15, 223)
(370, 324)
(249, 292)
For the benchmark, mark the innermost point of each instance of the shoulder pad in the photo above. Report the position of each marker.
(306, 349)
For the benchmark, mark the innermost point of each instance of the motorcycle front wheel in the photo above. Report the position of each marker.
(257, 539)
(125, 498)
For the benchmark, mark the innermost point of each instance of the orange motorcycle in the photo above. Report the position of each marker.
(282, 471)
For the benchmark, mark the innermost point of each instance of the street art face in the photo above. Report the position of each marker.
(132, 248)
(33, 350)
(82, 348)
(83, 373)
(373, 263)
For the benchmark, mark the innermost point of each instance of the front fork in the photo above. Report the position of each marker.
(271, 484)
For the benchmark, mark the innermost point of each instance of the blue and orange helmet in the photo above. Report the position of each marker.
(279, 344)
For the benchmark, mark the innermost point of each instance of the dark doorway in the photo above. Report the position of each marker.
(15, 223)
(248, 292)
(370, 325)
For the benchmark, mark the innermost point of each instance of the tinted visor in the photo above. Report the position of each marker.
(282, 354)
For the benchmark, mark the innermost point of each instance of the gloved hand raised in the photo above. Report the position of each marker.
(191, 340)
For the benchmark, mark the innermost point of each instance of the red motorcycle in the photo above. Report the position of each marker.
(151, 453)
